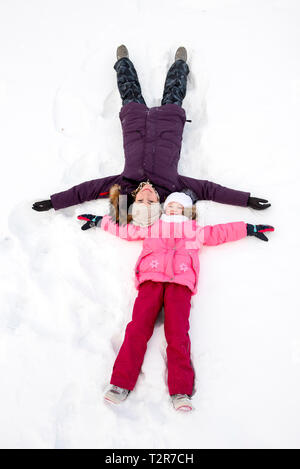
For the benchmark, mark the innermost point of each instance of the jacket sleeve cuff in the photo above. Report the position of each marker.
(55, 201)
(242, 198)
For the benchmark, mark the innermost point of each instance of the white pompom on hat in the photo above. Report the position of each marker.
(180, 198)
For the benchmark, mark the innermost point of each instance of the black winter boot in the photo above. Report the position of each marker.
(122, 51)
(181, 54)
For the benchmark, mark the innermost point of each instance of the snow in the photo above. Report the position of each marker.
(67, 295)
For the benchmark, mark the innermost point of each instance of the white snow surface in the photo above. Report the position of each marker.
(67, 295)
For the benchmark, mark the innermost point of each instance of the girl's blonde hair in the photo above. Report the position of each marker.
(191, 213)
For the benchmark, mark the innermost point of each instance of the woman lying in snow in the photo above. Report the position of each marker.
(166, 275)
(152, 143)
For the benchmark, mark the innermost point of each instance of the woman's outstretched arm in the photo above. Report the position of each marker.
(206, 190)
(90, 190)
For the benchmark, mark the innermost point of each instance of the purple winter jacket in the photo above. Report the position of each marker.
(152, 143)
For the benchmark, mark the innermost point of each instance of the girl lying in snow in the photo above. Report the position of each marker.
(166, 275)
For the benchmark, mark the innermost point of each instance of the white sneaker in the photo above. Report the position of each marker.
(182, 402)
(116, 395)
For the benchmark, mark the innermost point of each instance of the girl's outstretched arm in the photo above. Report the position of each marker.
(129, 232)
(224, 233)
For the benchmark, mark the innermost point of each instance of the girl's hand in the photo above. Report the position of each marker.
(259, 230)
(92, 220)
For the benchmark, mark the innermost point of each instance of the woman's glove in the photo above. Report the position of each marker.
(259, 230)
(258, 204)
(92, 220)
(42, 206)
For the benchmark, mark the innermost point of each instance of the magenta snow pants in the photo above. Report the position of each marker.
(176, 300)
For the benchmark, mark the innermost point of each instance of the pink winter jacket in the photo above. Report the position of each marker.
(171, 250)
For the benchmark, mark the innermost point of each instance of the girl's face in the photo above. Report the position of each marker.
(146, 195)
(174, 208)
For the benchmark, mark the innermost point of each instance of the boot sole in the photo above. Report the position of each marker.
(111, 400)
(184, 408)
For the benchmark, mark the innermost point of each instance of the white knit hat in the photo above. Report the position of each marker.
(180, 198)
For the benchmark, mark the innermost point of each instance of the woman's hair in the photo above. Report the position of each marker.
(120, 205)
(143, 184)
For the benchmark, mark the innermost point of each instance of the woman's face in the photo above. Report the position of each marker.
(146, 195)
(174, 208)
